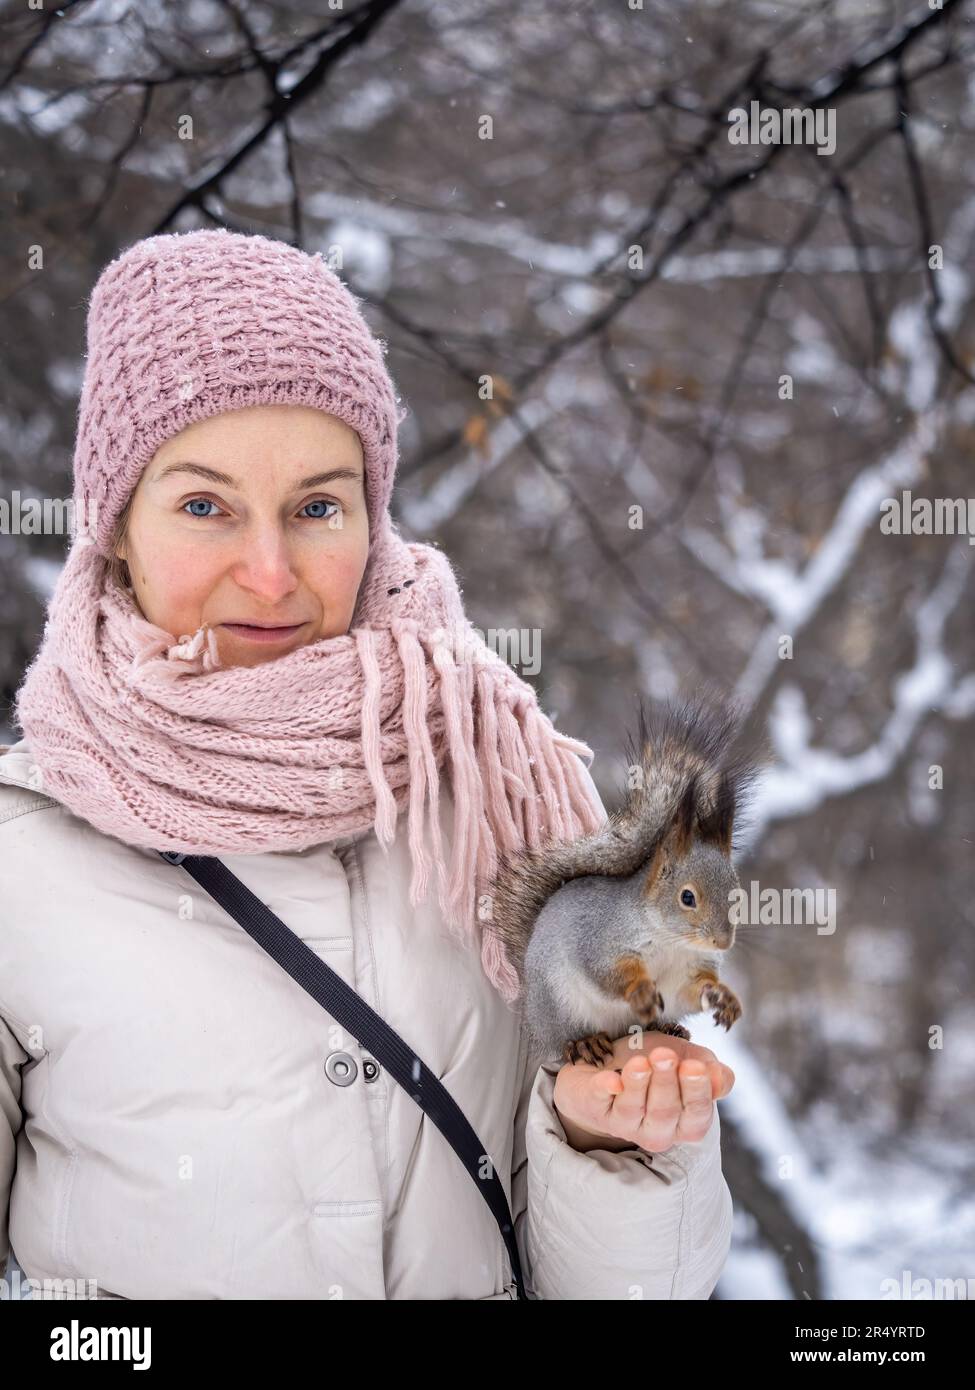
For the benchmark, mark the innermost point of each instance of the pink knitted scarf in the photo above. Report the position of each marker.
(140, 732)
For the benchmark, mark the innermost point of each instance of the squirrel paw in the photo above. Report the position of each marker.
(646, 1001)
(674, 1030)
(592, 1049)
(724, 1001)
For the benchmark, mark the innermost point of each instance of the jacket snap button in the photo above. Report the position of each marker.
(340, 1068)
(370, 1069)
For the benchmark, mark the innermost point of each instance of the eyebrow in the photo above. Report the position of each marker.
(213, 475)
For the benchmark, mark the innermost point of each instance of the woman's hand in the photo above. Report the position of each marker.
(647, 1103)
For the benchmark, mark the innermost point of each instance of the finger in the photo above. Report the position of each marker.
(722, 1079)
(664, 1105)
(608, 1084)
(602, 1084)
(629, 1104)
(597, 1096)
(698, 1112)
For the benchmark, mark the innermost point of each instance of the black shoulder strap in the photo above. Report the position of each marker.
(353, 1013)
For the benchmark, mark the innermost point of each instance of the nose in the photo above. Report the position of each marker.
(266, 566)
(723, 935)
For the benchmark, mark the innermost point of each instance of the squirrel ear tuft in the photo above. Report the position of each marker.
(716, 826)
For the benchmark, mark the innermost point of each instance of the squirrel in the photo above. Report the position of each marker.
(627, 924)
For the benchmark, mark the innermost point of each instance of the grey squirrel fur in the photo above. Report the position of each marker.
(600, 929)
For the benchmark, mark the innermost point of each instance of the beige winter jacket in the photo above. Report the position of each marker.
(170, 1126)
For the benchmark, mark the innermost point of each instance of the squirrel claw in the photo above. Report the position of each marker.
(728, 1009)
(647, 1002)
(594, 1049)
(725, 1017)
(674, 1030)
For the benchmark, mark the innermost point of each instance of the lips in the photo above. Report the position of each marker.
(259, 632)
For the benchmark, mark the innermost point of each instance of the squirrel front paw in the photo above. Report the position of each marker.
(646, 1001)
(674, 1030)
(717, 995)
(592, 1049)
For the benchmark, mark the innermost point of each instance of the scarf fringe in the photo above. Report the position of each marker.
(385, 818)
(515, 781)
(424, 778)
(194, 654)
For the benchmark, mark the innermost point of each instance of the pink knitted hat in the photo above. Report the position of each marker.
(192, 324)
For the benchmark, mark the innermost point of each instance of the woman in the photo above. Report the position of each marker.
(243, 658)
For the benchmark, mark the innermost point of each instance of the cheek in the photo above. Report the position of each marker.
(174, 588)
(336, 574)
(183, 573)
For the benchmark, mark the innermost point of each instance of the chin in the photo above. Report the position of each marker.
(234, 653)
(251, 658)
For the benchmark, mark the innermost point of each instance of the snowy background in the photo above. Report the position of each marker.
(591, 299)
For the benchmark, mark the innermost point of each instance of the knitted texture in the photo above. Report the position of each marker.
(143, 734)
(189, 325)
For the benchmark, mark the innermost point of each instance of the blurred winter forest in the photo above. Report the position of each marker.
(660, 385)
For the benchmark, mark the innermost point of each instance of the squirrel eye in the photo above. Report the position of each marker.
(687, 898)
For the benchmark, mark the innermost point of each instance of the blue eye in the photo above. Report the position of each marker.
(320, 502)
(207, 502)
(687, 898)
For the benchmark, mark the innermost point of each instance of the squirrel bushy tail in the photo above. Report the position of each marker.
(686, 767)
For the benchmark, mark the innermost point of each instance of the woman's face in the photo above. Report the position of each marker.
(250, 521)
